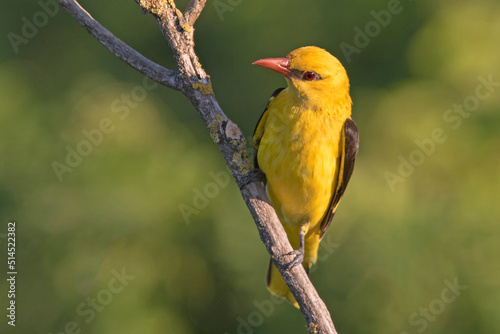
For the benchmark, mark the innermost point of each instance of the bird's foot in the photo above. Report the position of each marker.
(253, 174)
(298, 258)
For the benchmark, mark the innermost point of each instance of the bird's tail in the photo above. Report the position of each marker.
(277, 286)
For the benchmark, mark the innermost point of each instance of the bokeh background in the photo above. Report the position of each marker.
(404, 234)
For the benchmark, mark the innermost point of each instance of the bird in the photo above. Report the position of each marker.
(305, 146)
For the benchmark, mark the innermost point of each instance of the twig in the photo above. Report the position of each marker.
(178, 33)
(193, 10)
(133, 58)
(194, 83)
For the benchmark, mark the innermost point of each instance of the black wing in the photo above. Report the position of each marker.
(351, 146)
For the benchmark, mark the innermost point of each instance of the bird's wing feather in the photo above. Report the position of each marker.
(349, 153)
(260, 127)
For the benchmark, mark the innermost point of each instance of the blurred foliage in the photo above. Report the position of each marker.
(392, 249)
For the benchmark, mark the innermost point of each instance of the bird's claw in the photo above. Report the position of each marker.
(298, 258)
(254, 174)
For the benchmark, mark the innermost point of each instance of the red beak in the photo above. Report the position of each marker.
(279, 65)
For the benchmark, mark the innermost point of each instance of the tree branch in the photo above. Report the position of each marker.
(178, 33)
(193, 10)
(133, 58)
(195, 84)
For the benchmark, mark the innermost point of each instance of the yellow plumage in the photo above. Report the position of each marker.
(300, 145)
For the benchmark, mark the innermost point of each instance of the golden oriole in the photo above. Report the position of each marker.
(305, 144)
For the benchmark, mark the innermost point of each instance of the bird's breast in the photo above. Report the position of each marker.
(300, 157)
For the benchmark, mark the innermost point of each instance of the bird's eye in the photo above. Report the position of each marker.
(309, 76)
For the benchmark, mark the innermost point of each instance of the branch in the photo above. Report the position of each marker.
(133, 58)
(178, 33)
(193, 10)
(195, 84)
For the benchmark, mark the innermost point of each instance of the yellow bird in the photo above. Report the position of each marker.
(305, 144)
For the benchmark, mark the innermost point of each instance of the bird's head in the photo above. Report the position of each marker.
(312, 73)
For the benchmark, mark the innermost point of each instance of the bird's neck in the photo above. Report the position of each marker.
(336, 105)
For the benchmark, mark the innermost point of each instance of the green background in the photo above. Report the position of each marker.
(394, 247)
